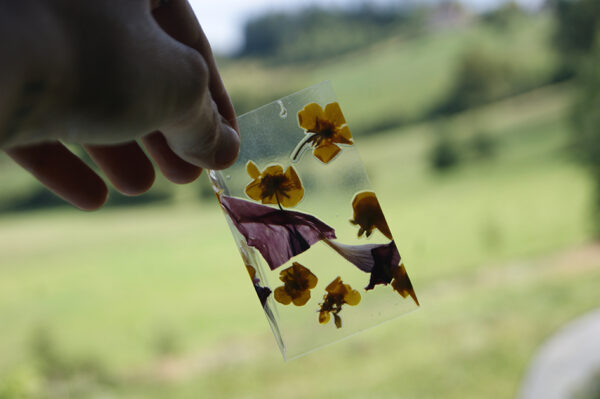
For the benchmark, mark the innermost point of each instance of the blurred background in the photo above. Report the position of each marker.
(479, 124)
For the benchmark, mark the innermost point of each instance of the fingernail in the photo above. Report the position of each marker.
(229, 147)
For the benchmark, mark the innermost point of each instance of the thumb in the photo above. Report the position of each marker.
(176, 18)
(186, 113)
(204, 137)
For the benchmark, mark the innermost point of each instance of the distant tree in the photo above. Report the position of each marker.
(483, 145)
(444, 153)
(577, 38)
(586, 117)
(480, 78)
(504, 15)
(316, 33)
(578, 21)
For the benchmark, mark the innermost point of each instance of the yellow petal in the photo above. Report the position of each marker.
(273, 170)
(282, 296)
(352, 298)
(302, 298)
(300, 270)
(382, 225)
(308, 116)
(324, 317)
(269, 200)
(343, 136)
(295, 191)
(252, 170)
(292, 199)
(254, 191)
(292, 176)
(333, 113)
(362, 196)
(402, 284)
(335, 285)
(312, 280)
(298, 267)
(326, 153)
(285, 274)
(251, 272)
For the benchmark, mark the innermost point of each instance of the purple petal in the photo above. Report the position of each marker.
(359, 255)
(377, 259)
(368, 257)
(263, 293)
(277, 234)
(386, 258)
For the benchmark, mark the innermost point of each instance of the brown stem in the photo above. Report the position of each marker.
(278, 203)
(300, 146)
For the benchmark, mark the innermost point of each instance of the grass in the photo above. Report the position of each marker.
(468, 342)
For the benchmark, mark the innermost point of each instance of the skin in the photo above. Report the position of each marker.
(113, 77)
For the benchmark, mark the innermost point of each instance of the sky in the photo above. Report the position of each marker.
(223, 20)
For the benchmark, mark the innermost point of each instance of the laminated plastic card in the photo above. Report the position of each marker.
(308, 225)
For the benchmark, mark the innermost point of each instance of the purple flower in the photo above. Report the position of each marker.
(277, 234)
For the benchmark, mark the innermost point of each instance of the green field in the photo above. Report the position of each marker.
(499, 251)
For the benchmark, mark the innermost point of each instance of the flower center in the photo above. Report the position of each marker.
(324, 130)
(297, 285)
(296, 282)
(272, 184)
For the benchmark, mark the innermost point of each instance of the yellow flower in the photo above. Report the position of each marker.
(273, 186)
(338, 294)
(368, 214)
(298, 281)
(325, 128)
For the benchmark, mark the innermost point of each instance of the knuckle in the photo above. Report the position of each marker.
(194, 83)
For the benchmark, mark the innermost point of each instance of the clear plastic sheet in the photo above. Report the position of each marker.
(308, 225)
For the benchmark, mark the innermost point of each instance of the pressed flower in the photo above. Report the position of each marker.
(381, 261)
(277, 234)
(262, 292)
(337, 295)
(368, 214)
(274, 186)
(325, 129)
(298, 281)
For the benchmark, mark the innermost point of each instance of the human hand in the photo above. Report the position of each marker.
(105, 74)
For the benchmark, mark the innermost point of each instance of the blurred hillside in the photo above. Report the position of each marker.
(405, 78)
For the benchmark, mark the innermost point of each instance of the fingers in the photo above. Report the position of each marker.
(173, 167)
(204, 137)
(125, 165)
(63, 173)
